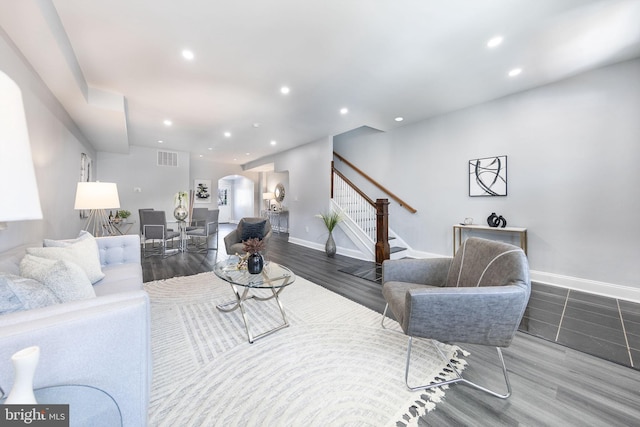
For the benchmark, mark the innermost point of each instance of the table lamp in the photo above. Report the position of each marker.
(268, 197)
(96, 197)
(20, 200)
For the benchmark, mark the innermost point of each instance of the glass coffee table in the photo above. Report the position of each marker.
(274, 277)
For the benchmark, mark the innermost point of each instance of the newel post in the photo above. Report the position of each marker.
(382, 230)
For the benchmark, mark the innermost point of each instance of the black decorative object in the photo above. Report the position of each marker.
(496, 220)
(255, 263)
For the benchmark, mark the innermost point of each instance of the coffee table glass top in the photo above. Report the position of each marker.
(273, 275)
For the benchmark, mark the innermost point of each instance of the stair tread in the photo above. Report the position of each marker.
(395, 249)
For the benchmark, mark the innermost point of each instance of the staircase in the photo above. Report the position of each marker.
(361, 218)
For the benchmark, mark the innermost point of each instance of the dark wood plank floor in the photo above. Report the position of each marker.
(552, 385)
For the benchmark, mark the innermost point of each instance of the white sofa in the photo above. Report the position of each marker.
(102, 342)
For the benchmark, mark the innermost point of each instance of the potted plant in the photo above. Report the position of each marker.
(124, 214)
(331, 220)
(255, 261)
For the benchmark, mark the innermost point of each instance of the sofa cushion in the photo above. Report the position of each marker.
(66, 280)
(119, 278)
(82, 251)
(20, 293)
(252, 230)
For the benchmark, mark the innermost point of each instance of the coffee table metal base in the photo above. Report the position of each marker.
(241, 297)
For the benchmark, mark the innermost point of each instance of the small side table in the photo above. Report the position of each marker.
(458, 235)
(88, 406)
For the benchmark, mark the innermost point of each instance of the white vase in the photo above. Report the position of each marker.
(24, 362)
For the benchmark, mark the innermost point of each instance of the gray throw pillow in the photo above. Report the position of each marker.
(82, 251)
(20, 293)
(65, 279)
(253, 230)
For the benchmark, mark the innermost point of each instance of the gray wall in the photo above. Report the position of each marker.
(139, 170)
(573, 153)
(56, 146)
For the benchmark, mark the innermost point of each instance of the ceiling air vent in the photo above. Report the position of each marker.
(167, 158)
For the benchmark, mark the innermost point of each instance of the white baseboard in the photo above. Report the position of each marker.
(351, 253)
(610, 290)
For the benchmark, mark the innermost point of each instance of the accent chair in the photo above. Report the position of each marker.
(154, 228)
(198, 218)
(249, 227)
(206, 234)
(478, 297)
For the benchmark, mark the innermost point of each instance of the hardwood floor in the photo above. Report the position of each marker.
(552, 385)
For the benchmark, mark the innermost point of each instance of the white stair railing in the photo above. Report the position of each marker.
(355, 207)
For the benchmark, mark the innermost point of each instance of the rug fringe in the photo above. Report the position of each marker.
(428, 398)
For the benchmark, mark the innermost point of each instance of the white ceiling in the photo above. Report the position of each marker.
(116, 65)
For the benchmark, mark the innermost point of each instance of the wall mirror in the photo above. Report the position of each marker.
(279, 193)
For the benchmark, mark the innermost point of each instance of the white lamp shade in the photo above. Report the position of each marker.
(20, 199)
(268, 196)
(97, 195)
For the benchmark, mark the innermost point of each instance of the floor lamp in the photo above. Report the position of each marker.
(20, 200)
(96, 197)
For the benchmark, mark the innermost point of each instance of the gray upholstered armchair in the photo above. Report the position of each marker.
(478, 297)
(247, 228)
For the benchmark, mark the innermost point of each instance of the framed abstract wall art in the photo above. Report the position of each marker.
(202, 191)
(488, 176)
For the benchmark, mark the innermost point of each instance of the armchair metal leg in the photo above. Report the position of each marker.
(459, 377)
(384, 316)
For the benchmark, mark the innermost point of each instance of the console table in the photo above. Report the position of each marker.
(458, 235)
(275, 218)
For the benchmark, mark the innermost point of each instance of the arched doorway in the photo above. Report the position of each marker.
(235, 198)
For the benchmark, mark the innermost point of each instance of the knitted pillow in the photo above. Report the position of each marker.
(20, 293)
(82, 251)
(252, 230)
(65, 279)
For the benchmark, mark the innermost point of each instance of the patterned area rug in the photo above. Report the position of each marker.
(333, 366)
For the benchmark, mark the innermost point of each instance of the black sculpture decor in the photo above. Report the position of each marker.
(496, 221)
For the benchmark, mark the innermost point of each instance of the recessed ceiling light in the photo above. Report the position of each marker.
(344, 110)
(227, 134)
(160, 141)
(248, 154)
(188, 55)
(256, 125)
(495, 41)
(201, 155)
(167, 122)
(273, 142)
(210, 148)
(399, 119)
(515, 72)
(284, 90)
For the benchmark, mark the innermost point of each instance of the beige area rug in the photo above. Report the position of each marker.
(333, 366)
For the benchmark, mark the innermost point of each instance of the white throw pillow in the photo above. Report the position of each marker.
(20, 293)
(65, 279)
(82, 251)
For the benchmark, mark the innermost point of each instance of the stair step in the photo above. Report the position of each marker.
(396, 249)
